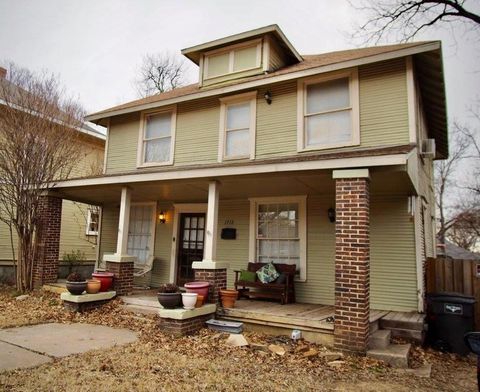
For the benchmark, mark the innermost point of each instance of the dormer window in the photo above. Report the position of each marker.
(237, 58)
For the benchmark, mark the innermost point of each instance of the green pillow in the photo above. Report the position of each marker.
(247, 276)
(267, 273)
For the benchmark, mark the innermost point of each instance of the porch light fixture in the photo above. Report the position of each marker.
(268, 97)
(161, 217)
(331, 214)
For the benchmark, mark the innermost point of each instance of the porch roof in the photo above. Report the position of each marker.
(291, 176)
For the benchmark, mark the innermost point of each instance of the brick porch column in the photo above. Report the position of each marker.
(209, 269)
(352, 260)
(45, 266)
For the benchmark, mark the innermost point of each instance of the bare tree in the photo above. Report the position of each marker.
(446, 181)
(406, 18)
(159, 73)
(465, 228)
(38, 133)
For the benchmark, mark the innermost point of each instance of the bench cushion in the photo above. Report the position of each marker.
(248, 276)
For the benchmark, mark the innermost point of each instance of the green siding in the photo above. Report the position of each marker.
(393, 284)
(277, 123)
(109, 230)
(122, 143)
(383, 121)
(393, 268)
(196, 139)
(383, 104)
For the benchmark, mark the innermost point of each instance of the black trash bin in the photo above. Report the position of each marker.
(450, 317)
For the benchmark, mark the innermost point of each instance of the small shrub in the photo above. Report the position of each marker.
(75, 277)
(74, 256)
(168, 288)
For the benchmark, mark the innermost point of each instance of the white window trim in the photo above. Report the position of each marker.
(302, 229)
(352, 75)
(235, 99)
(230, 50)
(141, 133)
(89, 221)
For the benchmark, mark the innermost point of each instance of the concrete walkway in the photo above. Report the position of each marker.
(30, 346)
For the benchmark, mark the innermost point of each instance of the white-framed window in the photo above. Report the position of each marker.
(236, 58)
(93, 219)
(328, 111)
(278, 231)
(157, 138)
(237, 126)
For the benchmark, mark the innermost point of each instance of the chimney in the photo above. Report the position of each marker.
(3, 73)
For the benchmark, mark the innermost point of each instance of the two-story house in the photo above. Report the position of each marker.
(322, 161)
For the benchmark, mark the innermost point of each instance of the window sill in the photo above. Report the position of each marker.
(328, 147)
(154, 164)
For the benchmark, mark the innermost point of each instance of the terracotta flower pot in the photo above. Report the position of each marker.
(200, 300)
(93, 286)
(228, 298)
(170, 300)
(189, 300)
(76, 288)
(106, 279)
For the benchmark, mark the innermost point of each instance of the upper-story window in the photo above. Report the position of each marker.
(328, 112)
(157, 137)
(237, 126)
(237, 58)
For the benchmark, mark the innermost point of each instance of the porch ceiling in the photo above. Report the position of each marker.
(384, 180)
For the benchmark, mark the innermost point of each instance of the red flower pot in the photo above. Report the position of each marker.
(201, 288)
(105, 278)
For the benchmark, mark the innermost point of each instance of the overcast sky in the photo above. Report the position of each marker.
(96, 46)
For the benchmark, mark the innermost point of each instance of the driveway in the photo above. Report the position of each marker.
(30, 346)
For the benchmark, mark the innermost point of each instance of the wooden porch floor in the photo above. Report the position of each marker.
(302, 316)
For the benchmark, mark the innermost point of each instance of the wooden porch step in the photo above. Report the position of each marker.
(403, 320)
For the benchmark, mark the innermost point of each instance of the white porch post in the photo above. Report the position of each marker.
(210, 253)
(123, 221)
(210, 245)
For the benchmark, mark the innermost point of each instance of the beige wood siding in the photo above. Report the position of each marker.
(393, 282)
(73, 231)
(383, 104)
(122, 143)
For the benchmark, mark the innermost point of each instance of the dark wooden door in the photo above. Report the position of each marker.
(190, 247)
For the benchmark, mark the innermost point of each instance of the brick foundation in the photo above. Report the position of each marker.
(217, 279)
(186, 327)
(352, 264)
(45, 266)
(123, 280)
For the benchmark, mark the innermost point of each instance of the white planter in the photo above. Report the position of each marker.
(189, 300)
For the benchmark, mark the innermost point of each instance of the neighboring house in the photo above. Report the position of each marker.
(274, 144)
(79, 221)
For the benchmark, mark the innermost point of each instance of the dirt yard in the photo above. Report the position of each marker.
(206, 363)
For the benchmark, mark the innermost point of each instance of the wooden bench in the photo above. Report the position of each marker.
(285, 292)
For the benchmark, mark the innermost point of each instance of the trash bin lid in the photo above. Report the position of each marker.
(455, 298)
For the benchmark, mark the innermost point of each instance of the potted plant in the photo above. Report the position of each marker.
(76, 284)
(169, 296)
(189, 300)
(228, 298)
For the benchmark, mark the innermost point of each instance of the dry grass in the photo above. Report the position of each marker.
(204, 362)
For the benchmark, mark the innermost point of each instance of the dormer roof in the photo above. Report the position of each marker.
(194, 53)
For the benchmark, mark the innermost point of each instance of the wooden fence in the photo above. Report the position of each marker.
(446, 275)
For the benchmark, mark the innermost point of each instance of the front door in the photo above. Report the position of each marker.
(190, 248)
(140, 233)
